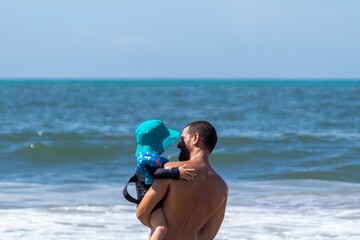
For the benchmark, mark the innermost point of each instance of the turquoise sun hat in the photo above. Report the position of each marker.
(153, 135)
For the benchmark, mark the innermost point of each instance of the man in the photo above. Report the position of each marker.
(194, 210)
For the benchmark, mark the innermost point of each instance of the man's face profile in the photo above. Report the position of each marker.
(184, 150)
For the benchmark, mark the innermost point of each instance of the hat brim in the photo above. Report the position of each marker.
(167, 142)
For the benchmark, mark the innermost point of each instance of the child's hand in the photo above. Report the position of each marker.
(187, 173)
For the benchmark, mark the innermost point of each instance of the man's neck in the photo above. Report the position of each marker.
(199, 156)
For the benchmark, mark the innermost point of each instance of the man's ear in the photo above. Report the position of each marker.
(196, 138)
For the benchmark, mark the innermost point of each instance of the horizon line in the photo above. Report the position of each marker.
(172, 79)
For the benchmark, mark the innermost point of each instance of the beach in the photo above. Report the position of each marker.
(288, 150)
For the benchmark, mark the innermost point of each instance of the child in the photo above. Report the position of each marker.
(153, 138)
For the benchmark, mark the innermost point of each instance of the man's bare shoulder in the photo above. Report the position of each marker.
(222, 188)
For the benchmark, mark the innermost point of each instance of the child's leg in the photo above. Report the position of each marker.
(158, 222)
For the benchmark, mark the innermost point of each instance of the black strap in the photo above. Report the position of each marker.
(126, 193)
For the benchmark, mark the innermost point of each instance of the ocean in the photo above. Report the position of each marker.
(288, 149)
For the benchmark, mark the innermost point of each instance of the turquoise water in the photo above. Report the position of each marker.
(289, 151)
(82, 131)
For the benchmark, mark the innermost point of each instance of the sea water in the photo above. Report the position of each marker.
(289, 151)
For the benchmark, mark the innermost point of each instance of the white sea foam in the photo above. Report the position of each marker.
(293, 210)
(82, 222)
(276, 210)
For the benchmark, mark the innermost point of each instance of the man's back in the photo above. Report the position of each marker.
(195, 210)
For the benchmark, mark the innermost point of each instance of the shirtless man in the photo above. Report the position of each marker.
(194, 210)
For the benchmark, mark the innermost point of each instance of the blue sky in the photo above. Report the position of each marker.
(180, 39)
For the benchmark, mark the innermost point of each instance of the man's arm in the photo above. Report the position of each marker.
(212, 226)
(155, 193)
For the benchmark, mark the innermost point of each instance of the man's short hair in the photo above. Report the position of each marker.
(206, 132)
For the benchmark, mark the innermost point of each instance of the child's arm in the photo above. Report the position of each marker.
(175, 173)
(169, 173)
